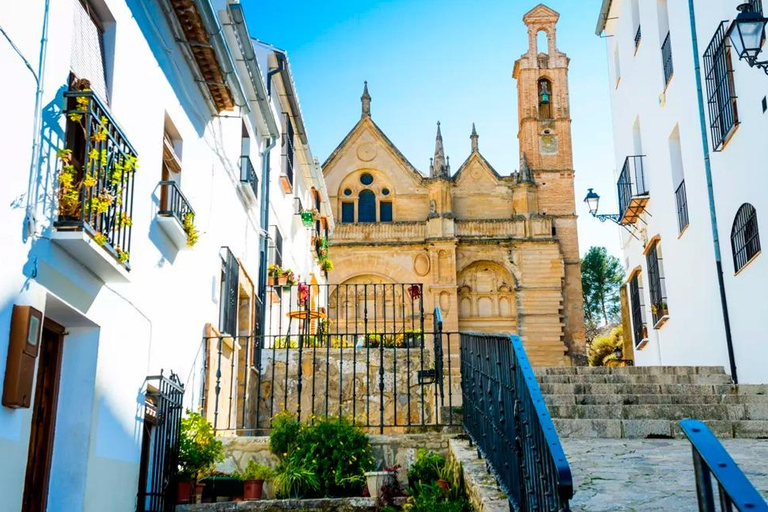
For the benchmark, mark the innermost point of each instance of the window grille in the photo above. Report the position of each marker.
(745, 236)
(666, 59)
(681, 198)
(656, 284)
(288, 149)
(277, 247)
(229, 293)
(638, 325)
(366, 207)
(721, 96)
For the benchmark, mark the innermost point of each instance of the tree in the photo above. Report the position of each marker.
(601, 278)
(602, 349)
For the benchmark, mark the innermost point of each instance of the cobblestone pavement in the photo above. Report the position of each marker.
(649, 474)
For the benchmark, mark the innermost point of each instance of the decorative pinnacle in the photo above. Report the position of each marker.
(474, 137)
(439, 167)
(365, 99)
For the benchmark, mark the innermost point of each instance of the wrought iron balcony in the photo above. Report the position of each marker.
(95, 197)
(633, 190)
(248, 175)
(175, 215)
(681, 199)
(666, 59)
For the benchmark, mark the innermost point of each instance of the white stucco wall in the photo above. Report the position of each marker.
(119, 333)
(694, 333)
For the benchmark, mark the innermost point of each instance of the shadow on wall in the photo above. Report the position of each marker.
(153, 24)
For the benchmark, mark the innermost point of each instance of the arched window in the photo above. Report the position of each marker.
(545, 99)
(745, 237)
(366, 206)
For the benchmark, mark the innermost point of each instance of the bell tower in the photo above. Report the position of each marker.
(545, 144)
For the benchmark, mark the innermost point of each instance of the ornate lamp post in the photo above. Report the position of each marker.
(747, 34)
(593, 201)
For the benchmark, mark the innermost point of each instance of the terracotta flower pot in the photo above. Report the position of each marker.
(282, 280)
(252, 489)
(199, 493)
(184, 492)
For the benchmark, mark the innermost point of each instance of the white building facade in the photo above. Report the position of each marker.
(143, 175)
(689, 183)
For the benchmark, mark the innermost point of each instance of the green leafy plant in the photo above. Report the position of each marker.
(337, 452)
(189, 228)
(602, 348)
(326, 265)
(431, 498)
(199, 450)
(425, 468)
(255, 471)
(293, 478)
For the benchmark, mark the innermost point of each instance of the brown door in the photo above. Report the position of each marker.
(43, 419)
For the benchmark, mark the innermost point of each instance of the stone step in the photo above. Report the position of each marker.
(638, 428)
(662, 412)
(629, 370)
(653, 399)
(636, 379)
(650, 389)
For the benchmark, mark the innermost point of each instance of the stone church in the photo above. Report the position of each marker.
(496, 253)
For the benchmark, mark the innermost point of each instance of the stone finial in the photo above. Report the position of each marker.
(439, 167)
(524, 175)
(474, 137)
(365, 99)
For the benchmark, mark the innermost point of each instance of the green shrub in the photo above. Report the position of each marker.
(255, 471)
(285, 430)
(425, 469)
(335, 451)
(602, 348)
(199, 450)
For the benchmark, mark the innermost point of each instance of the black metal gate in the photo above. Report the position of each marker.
(164, 403)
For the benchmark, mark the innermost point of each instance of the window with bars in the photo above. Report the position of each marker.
(276, 248)
(230, 282)
(745, 236)
(721, 95)
(639, 330)
(658, 294)
(681, 198)
(288, 150)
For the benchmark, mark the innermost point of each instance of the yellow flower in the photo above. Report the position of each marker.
(89, 181)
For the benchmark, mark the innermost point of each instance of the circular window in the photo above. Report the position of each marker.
(385, 191)
(347, 191)
(366, 179)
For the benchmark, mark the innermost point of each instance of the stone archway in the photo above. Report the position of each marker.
(486, 298)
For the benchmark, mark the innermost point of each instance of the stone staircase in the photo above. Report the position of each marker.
(649, 402)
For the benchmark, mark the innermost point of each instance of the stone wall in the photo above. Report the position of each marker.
(364, 384)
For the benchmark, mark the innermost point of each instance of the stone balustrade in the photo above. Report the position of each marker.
(381, 231)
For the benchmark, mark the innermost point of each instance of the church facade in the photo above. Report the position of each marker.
(495, 253)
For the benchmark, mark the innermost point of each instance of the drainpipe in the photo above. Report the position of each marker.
(265, 227)
(279, 68)
(711, 195)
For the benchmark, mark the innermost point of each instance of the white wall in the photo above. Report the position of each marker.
(118, 333)
(694, 333)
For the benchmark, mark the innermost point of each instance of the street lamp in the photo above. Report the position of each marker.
(592, 200)
(747, 34)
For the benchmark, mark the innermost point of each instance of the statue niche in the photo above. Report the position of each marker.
(487, 298)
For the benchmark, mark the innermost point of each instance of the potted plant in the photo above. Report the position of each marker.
(253, 477)
(293, 479)
(308, 217)
(287, 279)
(199, 451)
(274, 272)
(376, 480)
(302, 295)
(326, 265)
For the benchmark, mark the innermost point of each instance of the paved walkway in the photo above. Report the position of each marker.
(649, 474)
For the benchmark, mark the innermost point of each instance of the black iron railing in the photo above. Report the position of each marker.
(631, 182)
(638, 37)
(173, 203)
(505, 415)
(710, 459)
(721, 96)
(681, 199)
(360, 351)
(96, 179)
(666, 59)
(248, 174)
(164, 402)
(659, 307)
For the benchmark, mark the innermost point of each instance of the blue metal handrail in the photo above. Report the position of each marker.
(710, 458)
(506, 416)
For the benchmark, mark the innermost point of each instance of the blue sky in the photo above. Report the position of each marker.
(447, 60)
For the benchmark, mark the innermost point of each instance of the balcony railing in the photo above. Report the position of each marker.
(633, 190)
(96, 179)
(681, 199)
(638, 37)
(666, 59)
(173, 203)
(248, 175)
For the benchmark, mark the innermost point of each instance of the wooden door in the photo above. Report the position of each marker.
(43, 419)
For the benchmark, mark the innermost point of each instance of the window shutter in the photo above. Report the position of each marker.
(87, 59)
